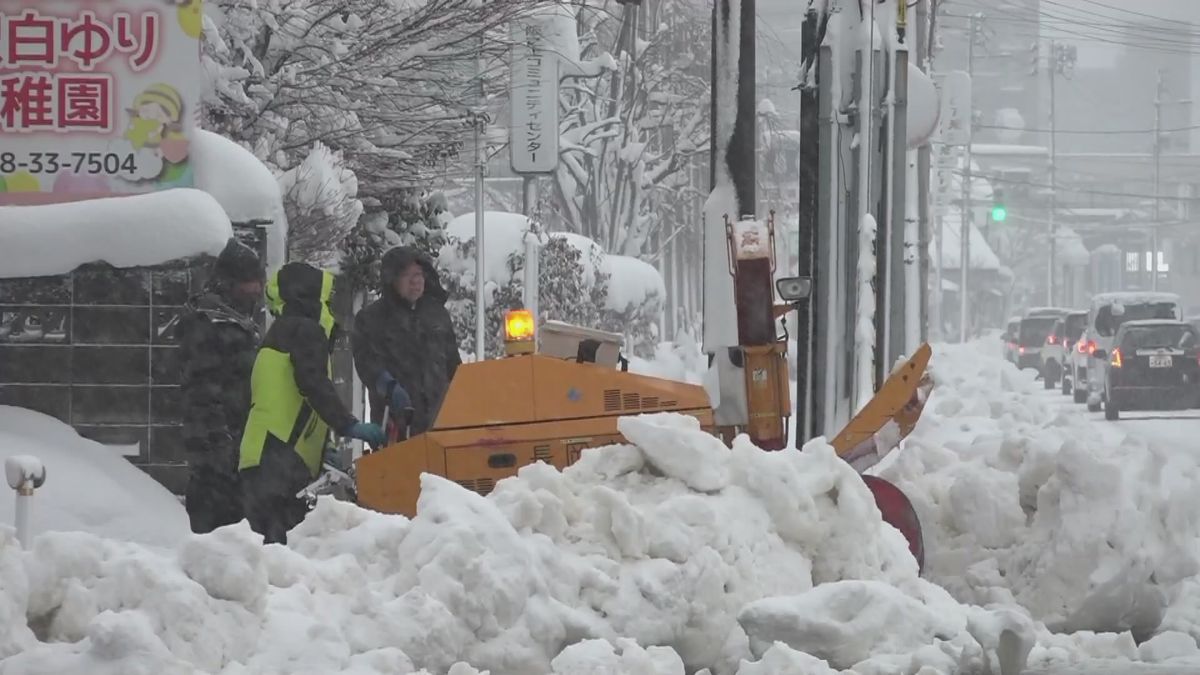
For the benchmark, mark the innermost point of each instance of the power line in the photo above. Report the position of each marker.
(1060, 188)
(1100, 132)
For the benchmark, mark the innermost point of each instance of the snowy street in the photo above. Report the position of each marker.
(599, 337)
(1109, 668)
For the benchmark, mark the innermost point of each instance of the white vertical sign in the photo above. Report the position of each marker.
(533, 138)
(954, 127)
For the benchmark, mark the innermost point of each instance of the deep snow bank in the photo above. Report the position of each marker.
(146, 229)
(1022, 502)
(89, 487)
(670, 542)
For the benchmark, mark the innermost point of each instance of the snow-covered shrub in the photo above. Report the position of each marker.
(320, 197)
(407, 219)
(564, 292)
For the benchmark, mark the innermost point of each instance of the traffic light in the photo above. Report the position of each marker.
(999, 208)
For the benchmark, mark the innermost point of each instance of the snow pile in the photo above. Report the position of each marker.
(632, 283)
(716, 556)
(681, 361)
(243, 186)
(134, 231)
(1085, 527)
(88, 486)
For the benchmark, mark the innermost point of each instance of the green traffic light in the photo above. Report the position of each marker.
(999, 214)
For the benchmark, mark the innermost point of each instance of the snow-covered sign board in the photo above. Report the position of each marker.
(533, 141)
(96, 98)
(955, 122)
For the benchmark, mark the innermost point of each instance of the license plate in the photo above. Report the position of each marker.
(1161, 361)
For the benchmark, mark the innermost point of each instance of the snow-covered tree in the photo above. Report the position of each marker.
(388, 85)
(627, 135)
(320, 198)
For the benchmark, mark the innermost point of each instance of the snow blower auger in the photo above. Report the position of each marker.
(874, 432)
(561, 389)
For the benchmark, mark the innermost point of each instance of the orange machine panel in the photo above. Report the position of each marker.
(387, 479)
(504, 414)
(478, 458)
(496, 391)
(536, 388)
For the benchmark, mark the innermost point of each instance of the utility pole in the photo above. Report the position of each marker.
(923, 41)
(1054, 66)
(480, 273)
(1158, 104)
(964, 228)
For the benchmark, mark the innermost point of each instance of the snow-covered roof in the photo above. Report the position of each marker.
(134, 231)
(997, 149)
(244, 187)
(1071, 250)
(1133, 298)
(982, 256)
(1097, 212)
(1154, 322)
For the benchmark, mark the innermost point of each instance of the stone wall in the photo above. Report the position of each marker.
(94, 348)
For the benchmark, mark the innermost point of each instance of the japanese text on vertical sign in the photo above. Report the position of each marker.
(533, 99)
(47, 67)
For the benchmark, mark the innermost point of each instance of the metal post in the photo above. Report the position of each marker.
(808, 216)
(923, 167)
(1158, 103)
(1053, 178)
(480, 268)
(529, 207)
(896, 338)
(964, 227)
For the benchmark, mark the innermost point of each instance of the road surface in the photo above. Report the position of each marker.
(1116, 668)
(1164, 429)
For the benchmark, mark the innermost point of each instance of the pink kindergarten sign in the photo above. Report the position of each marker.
(97, 97)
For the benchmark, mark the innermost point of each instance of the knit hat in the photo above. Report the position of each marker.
(239, 262)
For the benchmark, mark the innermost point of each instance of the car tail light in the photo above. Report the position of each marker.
(1091, 347)
(1116, 358)
(1021, 350)
(1052, 340)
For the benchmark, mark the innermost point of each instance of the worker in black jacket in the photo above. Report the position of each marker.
(404, 345)
(293, 403)
(218, 339)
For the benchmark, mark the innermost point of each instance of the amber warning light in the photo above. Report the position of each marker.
(518, 332)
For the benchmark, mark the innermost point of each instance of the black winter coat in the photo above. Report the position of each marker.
(217, 345)
(414, 342)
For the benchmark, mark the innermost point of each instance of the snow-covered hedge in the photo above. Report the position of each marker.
(578, 282)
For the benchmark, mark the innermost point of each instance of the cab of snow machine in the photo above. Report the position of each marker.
(559, 390)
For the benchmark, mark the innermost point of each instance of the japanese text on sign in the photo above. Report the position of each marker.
(533, 142)
(69, 101)
(97, 98)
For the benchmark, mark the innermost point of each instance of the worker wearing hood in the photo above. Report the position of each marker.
(218, 340)
(293, 402)
(405, 349)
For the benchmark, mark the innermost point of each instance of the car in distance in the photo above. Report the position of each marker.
(1154, 364)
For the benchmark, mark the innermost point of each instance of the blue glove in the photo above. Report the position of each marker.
(366, 431)
(397, 397)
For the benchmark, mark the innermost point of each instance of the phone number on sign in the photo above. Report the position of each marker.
(109, 163)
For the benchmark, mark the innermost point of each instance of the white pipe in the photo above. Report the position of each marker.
(24, 474)
(24, 497)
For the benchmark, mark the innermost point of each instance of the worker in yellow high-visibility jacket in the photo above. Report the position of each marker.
(293, 403)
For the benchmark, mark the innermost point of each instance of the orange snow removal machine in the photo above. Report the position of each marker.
(561, 389)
